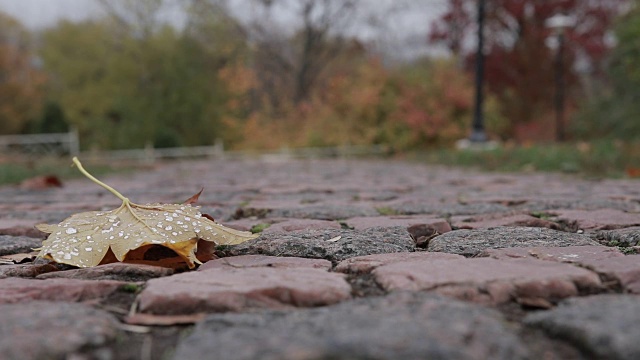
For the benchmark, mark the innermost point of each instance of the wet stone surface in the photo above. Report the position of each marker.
(604, 326)
(568, 254)
(401, 326)
(18, 244)
(375, 259)
(473, 242)
(619, 237)
(241, 289)
(533, 283)
(601, 219)
(366, 264)
(332, 245)
(450, 210)
(25, 270)
(17, 290)
(324, 212)
(114, 271)
(55, 330)
(250, 261)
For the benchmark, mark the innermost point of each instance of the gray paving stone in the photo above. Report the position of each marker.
(253, 261)
(18, 244)
(446, 210)
(290, 225)
(332, 245)
(473, 242)
(578, 203)
(361, 223)
(50, 330)
(619, 237)
(20, 227)
(324, 212)
(397, 326)
(605, 326)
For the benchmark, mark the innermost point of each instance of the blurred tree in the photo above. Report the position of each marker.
(616, 112)
(52, 120)
(289, 66)
(130, 79)
(519, 64)
(21, 82)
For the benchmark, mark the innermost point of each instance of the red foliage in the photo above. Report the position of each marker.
(519, 64)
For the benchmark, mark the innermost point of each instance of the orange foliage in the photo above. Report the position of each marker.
(438, 110)
(21, 88)
(362, 104)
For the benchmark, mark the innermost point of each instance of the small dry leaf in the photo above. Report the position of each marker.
(17, 258)
(633, 172)
(130, 232)
(194, 198)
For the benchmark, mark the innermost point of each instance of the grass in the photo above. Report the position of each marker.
(258, 228)
(16, 172)
(131, 288)
(611, 159)
(387, 211)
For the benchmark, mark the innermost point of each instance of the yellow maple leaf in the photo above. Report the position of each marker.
(85, 239)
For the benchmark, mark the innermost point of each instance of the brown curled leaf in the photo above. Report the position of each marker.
(194, 198)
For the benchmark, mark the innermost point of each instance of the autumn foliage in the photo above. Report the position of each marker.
(21, 84)
(519, 60)
(425, 104)
(130, 80)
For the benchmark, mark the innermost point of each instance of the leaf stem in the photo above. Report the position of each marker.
(92, 178)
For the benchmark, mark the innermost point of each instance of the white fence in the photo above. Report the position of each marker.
(67, 144)
(56, 144)
(217, 151)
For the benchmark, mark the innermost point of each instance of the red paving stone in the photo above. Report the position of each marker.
(366, 264)
(568, 254)
(491, 281)
(15, 290)
(625, 270)
(601, 219)
(241, 289)
(466, 222)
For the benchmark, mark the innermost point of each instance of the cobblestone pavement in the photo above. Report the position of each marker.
(357, 259)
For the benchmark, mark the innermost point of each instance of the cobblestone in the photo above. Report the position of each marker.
(356, 259)
(605, 326)
(398, 326)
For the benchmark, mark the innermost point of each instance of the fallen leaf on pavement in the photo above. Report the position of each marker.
(633, 172)
(160, 234)
(41, 182)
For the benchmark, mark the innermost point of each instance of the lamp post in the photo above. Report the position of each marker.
(477, 131)
(559, 23)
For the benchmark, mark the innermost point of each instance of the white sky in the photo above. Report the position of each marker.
(404, 30)
(36, 14)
